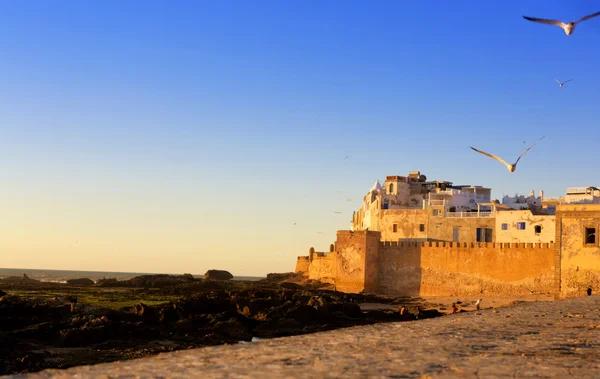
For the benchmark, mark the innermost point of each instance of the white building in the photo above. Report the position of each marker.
(582, 195)
(522, 201)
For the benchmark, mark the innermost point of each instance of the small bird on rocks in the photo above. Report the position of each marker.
(478, 303)
(568, 27)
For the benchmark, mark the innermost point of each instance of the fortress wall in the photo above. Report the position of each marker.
(579, 258)
(460, 269)
(302, 265)
(322, 268)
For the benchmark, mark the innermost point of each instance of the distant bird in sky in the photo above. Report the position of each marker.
(319, 232)
(338, 191)
(568, 27)
(294, 224)
(511, 167)
(347, 156)
(348, 200)
(337, 213)
(563, 83)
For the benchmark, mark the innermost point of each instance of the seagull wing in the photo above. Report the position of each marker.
(588, 17)
(547, 22)
(529, 148)
(491, 156)
(567, 81)
(558, 81)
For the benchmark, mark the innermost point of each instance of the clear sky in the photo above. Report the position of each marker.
(173, 136)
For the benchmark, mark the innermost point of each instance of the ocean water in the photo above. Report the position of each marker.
(61, 276)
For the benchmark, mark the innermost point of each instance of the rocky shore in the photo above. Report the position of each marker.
(46, 325)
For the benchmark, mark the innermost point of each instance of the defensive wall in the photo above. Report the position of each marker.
(360, 261)
(454, 268)
(578, 248)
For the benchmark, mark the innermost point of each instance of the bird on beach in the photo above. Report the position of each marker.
(563, 83)
(478, 303)
(568, 27)
(511, 167)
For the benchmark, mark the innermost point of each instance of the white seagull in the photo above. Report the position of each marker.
(478, 304)
(563, 83)
(568, 27)
(511, 167)
(337, 213)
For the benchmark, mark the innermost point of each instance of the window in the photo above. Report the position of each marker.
(504, 226)
(590, 236)
(395, 228)
(391, 188)
(436, 212)
(520, 226)
(421, 227)
(438, 226)
(484, 235)
(538, 229)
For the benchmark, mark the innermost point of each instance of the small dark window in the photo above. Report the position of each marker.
(504, 226)
(538, 229)
(484, 235)
(436, 212)
(421, 227)
(520, 226)
(590, 235)
(391, 188)
(395, 227)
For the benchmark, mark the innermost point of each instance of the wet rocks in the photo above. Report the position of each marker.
(81, 282)
(205, 314)
(218, 275)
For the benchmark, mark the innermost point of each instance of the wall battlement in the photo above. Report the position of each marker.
(468, 245)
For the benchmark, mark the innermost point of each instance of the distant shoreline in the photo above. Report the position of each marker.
(60, 276)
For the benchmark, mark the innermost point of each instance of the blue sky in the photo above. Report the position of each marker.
(183, 136)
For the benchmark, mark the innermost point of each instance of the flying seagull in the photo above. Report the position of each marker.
(511, 167)
(568, 27)
(347, 156)
(563, 83)
(337, 213)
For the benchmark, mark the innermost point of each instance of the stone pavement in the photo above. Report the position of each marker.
(541, 339)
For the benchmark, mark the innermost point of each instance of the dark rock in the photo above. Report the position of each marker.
(304, 314)
(349, 309)
(2, 293)
(158, 280)
(202, 304)
(290, 285)
(83, 337)
(107, 282)
(218, 275)
(81, 282)
(168, 313)
(147, 313)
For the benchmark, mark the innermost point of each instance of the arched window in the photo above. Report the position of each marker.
(391, 187)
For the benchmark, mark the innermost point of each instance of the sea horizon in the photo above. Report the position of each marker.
(61, 276)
